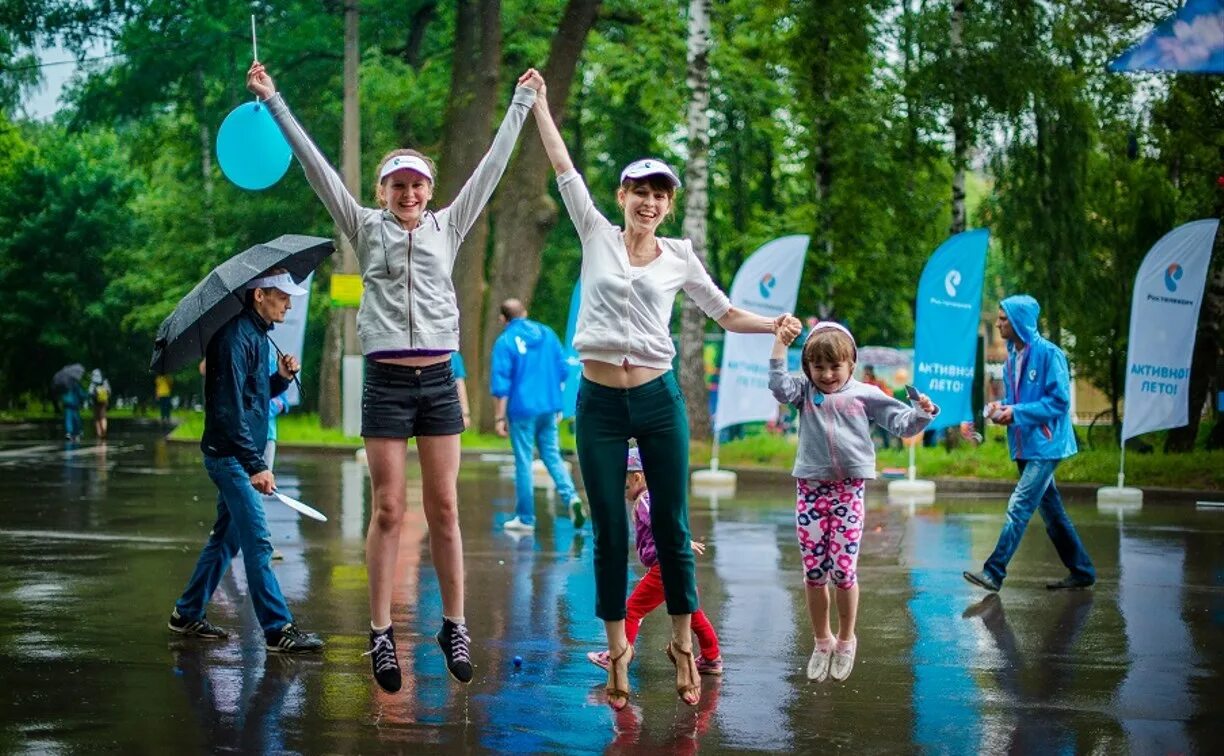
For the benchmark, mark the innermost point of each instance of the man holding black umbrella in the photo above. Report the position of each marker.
(237, 390)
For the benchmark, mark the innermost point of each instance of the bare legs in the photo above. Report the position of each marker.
(439, 471)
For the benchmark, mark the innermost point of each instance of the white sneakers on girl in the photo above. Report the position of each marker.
(843, 659)
(818, 664)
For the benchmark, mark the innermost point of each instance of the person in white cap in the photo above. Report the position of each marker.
(408, 324)
(237, 387)
(630, 279)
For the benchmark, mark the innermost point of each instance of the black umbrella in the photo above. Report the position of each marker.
(183, 337)
(67, 376)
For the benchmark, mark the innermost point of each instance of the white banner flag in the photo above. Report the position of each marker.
(1164, 318)
(766, 284)
(290, 336)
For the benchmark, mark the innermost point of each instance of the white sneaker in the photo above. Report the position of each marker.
(843, 660)
(516, 524)
(818, 664)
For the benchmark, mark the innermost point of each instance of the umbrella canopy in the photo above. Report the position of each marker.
(183, 337)
(68, 375)
(881, 356)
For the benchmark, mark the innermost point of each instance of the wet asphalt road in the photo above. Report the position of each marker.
(96, 542)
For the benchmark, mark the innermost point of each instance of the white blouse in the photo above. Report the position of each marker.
(625, 314)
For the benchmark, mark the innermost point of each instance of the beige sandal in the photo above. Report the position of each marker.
(693, 688)
(621, 693)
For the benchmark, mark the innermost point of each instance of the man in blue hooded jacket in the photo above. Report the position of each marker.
(1037, 413)
(528, 370)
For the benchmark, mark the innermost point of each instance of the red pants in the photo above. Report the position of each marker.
(648, 596)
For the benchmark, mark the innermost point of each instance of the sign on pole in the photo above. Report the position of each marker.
(766, 284)
(1164, 320)
(290, 336)
(946, 335)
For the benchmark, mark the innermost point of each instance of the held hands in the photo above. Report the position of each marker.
(288, 366)
(786, 328)
(925, 404)
(698, 547)
(532, 79)
(259, 82)
(264, 482)
(502, 426)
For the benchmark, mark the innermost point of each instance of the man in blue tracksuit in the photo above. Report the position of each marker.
(238, 384)
(1037, 413)
(528, 370)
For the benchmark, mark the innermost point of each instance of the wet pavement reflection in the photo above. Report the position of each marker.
(97, 541)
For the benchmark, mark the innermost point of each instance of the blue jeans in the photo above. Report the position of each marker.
(1036, 490)
(240, 526)
(72, 421)
(525, 434)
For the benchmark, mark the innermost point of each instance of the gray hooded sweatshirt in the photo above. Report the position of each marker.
(835, 435)
(408, 302)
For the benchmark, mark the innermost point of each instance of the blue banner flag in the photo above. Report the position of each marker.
(1190, 41)
(569, 397)
(949, 309)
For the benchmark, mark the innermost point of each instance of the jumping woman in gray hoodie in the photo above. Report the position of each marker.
(409, 326)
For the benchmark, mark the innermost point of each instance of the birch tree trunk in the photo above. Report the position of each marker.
(696, 214)
(960, 125)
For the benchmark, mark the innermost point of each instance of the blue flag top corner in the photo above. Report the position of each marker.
(1190, 41)
(949, 308)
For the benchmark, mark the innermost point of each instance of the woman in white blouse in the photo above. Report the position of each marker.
(628, 390)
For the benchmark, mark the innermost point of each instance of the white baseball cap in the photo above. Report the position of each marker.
(405, 163)
(649, 167)
(282, 281)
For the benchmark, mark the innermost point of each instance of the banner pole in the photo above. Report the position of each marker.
(714, 452)
(1122, 467)
(913, 468)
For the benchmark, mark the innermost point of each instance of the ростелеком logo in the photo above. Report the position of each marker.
(1173, 274)
(951, 281)
(767, 284)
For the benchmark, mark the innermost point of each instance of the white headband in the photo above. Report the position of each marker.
(826, 325)
(405, 163)
(282, 281)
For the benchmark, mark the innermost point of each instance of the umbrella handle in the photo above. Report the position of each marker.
(279, 355)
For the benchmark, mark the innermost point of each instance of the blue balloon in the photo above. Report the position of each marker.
(251, 150)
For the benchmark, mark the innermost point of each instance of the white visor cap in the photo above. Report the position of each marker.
(282, 281)
(405, 163)
(649, 167)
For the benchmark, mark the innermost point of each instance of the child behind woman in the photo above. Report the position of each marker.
(834, 460)
(648, 594)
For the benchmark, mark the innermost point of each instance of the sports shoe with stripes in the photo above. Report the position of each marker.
(200, 628)
(290, 640)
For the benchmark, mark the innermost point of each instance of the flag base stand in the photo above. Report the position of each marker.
(911, 490)
(1119, 498)
(712, 482)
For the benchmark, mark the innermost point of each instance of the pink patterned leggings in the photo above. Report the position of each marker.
(829, 521)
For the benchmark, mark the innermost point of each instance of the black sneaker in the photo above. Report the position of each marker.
(382, 657)
(981, 580)
(454, 641)
(200, 628)
(290, 640)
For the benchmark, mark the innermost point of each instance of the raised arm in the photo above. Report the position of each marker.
(554, 145)
(785, 387)
(327, 184)
(479, 187)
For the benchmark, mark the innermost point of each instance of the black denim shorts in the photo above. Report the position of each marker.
(398, 401)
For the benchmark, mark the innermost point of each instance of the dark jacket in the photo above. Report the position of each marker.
(237, 389)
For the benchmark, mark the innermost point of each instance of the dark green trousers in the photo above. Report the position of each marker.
(654, 415)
